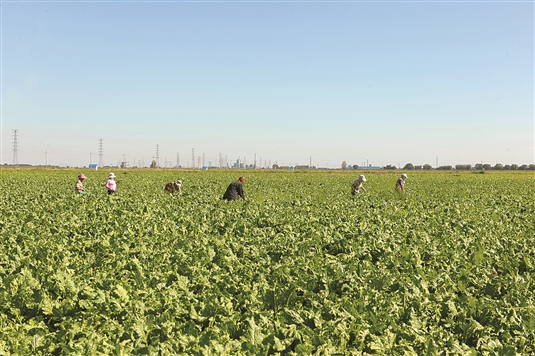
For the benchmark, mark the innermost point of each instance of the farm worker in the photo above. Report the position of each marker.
(174, 186)
(79, 188)
(356, 187)
(235, 190)
(111, 184)
(400, 184)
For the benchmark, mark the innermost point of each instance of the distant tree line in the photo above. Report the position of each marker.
(301, 167)
(458, 167)
(410, 166)
(467, 167)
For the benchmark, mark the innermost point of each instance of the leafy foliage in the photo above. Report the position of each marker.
(302, 267)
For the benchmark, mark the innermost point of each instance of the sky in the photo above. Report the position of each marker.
(287, 82)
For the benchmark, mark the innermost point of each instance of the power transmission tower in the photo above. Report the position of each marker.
(203, 160)
(193, 157)
(100, 153)
(177, 160)
(157, 155)
(15, 160)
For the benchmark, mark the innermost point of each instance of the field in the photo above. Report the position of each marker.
(301, 268)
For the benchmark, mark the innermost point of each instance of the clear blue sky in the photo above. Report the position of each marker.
(383, 82)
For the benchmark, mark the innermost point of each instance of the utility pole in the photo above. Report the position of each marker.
(254, 166)
(90, 157)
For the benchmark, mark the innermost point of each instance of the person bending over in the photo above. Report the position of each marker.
(172, 187)
(235, 190)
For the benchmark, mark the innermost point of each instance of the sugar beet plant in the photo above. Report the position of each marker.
(302, 267)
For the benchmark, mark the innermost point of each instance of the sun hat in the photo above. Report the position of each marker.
(179, 181)
(81, 176)
(403, 176)
(362, 178)
(111, 175)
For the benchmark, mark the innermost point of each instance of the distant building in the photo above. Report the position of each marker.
(368, 167)
(93, 166)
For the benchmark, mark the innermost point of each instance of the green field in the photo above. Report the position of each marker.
(301, 268)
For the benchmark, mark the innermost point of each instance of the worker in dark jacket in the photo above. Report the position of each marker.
(235, 190)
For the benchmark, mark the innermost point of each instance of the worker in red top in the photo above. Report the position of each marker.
(79, 187)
